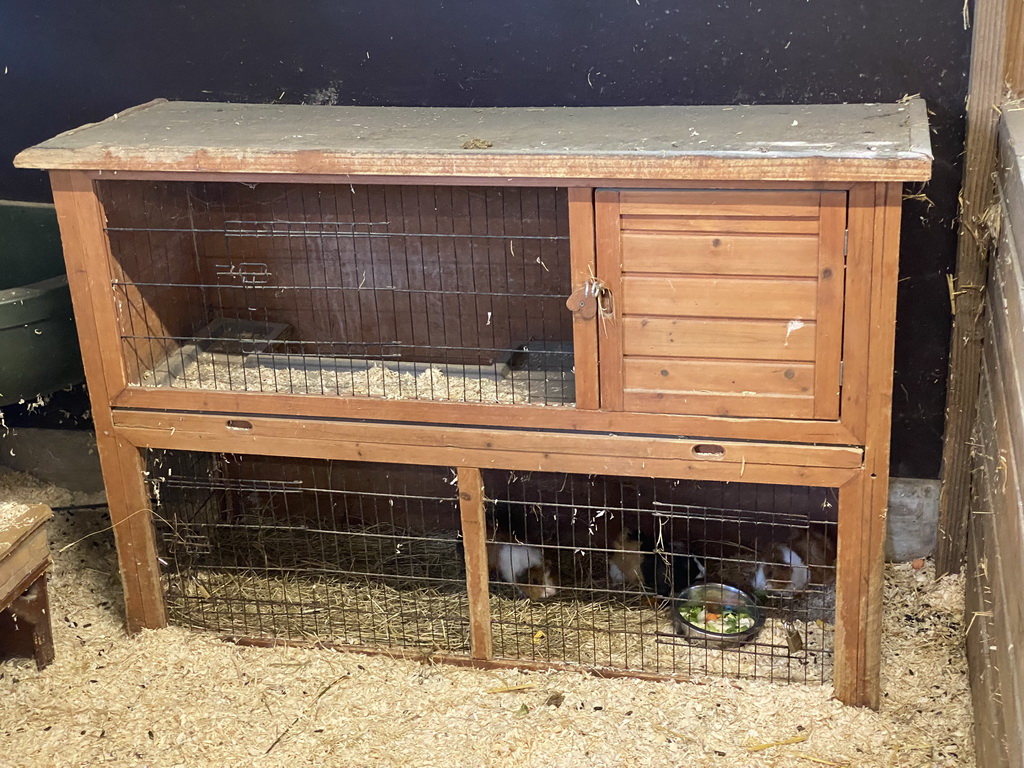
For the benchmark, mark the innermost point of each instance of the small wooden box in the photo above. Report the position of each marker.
(24, 604)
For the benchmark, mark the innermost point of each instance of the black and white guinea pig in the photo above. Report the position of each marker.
(634, 562)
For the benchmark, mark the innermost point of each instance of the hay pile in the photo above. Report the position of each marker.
(180, 698)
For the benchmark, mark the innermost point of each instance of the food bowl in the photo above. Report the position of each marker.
(717, 615)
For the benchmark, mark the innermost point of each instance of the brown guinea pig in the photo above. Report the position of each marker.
(625, 561)
(638, 561)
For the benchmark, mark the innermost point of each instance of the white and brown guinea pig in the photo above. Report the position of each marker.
(805, 561)
(523, 565)
(515, 561)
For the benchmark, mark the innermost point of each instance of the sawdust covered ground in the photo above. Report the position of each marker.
(178, 698)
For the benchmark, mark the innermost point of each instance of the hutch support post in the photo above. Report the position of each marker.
(81, 224)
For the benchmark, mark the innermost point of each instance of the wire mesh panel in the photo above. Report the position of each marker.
(412, 292)
(339, 552)
(618, 572)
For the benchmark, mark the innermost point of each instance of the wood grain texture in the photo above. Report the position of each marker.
(737, 404)
(856, 331)
(828, 312)
(25, 623)
(1000, 481)
(832, 142)
(394, 440)
(718, 205)
(849, 675)
(994, 573)
(719, 338)
(1013, 65)
(985, 93)
(720, 253)
(474, 541)
(709, 225)
(415, 272)
(1004, 331)
(715, 294)
(354, 450)
(33, 517)
(702, 296)
(738, 376)
(21, 564)
(996, 525)
(979, 612)
(153, 273)
(609, 271)
(863, 503)
(81, 224)
(583, 255)
(760, 428)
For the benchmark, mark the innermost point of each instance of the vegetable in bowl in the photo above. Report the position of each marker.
(723, 620)
(718, 615)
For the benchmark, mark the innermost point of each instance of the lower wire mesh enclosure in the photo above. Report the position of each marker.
(334, 552)
(625, 572)
(642, 575)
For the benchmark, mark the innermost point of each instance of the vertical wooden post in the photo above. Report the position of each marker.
(863, 500)
(584, 267)
(851, 595)
(474, 539)
(85, 252)
(609, 269)
(989, 57)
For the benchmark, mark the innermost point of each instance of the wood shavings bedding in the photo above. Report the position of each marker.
(179, 698)
(430, 382)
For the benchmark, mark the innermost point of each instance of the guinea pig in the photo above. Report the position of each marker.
(805, 561)
(634, 561)
(523, 565)
(511, 555)
(625, 561)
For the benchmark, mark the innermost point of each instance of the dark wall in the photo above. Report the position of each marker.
(70, 63)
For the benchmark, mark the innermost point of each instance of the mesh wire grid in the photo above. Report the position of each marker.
(400, 292)
(370, 555)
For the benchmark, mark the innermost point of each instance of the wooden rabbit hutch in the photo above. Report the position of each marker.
(326, 347)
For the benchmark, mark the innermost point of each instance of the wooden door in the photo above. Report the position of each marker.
(723, 302)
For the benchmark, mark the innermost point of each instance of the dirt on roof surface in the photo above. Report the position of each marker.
(174, 697)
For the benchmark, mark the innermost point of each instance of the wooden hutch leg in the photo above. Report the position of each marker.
(859, 590)
(82, 231)
(474, 539)
(863, 501)
(134, 534)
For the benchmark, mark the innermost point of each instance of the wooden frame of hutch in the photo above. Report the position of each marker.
(840, 167)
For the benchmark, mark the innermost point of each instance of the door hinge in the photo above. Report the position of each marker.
(840, 373)
(846, 242)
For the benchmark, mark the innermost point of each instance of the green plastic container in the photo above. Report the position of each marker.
(38, 344)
